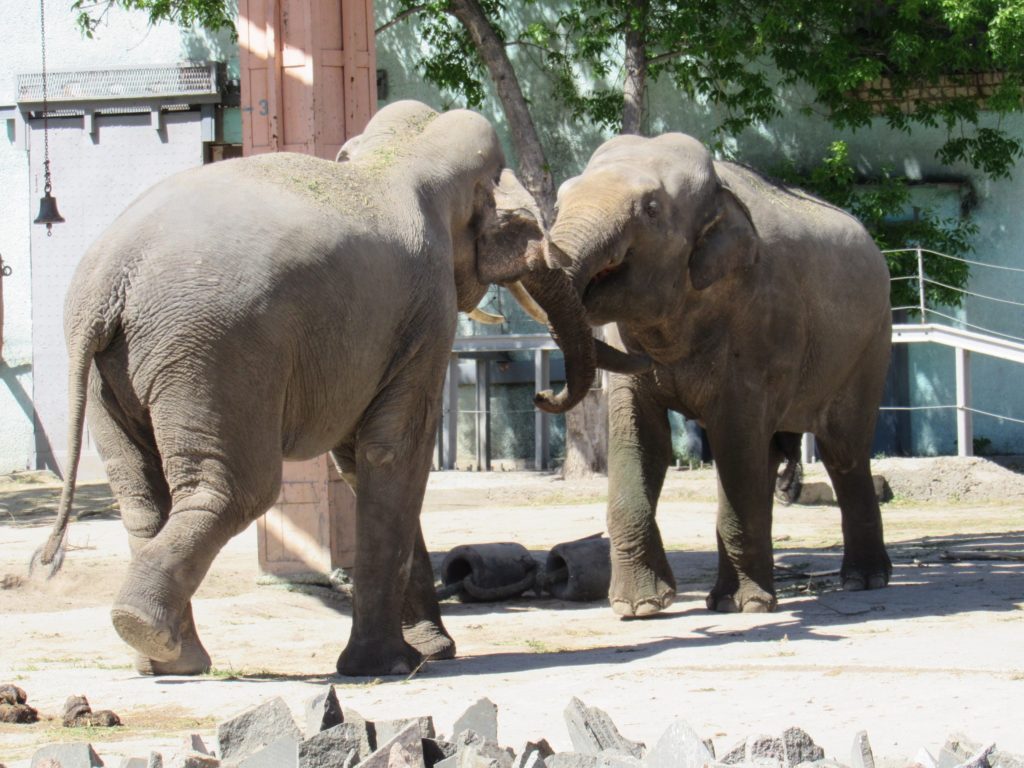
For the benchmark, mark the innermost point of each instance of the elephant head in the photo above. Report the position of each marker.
(495, 226)
(647, 222)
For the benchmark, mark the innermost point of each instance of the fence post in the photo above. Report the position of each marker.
(920, 280)
(541, 420)
(964, 417)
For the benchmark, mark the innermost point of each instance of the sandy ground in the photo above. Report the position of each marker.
(937, 652)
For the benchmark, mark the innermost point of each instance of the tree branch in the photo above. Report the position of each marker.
(399, 18)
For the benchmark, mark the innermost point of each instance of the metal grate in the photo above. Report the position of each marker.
(136, 83)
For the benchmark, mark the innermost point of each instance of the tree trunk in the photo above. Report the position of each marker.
(633, 90)
(533, 167)
(586, 425)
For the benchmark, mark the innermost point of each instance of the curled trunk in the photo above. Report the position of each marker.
(567, 322)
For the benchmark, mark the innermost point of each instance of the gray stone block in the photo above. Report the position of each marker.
(980, 757)
(194, 743)
(482, 718)
(193, 760)
(592, 731)
(924, 759)
(571, 760)
(78, 754)
(382, 731)
(283, 753)
(405, 750)
(323, 711)
(765, 747)
(474, 751)
(255, 729)
(338, 747)
(437, 750)
(533, 755)
(799, 747)
(957, 749)
(156, 760)
(1001, 759)
(736, 755)
(134, 762)
(679, 747)
(861, 755)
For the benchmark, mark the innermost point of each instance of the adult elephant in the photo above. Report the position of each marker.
(278, 307)
(766, 312)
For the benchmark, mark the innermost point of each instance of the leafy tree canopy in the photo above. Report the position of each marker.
(213, 15)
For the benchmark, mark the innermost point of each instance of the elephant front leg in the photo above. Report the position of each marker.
(744, 526)
(639, 451)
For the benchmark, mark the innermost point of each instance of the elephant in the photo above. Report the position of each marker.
(279, 307)
(766, 313)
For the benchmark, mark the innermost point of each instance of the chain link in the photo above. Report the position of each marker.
(46, 106)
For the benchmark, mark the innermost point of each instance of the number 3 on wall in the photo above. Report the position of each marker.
(264, 107)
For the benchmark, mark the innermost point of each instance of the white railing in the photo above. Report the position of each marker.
(964, 337)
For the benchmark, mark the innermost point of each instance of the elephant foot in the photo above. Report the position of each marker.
(369, 658)
(639, 591)
(193, 659)
(430, 639)
(748, 598)
(151, 634)
(872, 575)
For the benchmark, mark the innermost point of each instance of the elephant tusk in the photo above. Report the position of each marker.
(525, 300)
(485, 317)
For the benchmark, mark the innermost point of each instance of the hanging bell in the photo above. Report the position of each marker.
(48, 213)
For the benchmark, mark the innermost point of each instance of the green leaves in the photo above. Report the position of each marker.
(212, 15)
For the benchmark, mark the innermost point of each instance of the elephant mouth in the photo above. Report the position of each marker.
(612, 273)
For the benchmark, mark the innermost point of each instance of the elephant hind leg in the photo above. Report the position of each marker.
(134, 470)
(845, 446)
(422, 627)
(866, 564)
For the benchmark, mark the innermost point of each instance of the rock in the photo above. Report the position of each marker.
(77, 754)
(957, 749)
(679, 747)
(861, 755)
(156, 760)
(134, 762)
(482, 718)
(255, 729)
(800, 748)
(924, 759)
(436, 750)
(18, 713)
(192, 760)
(343, 745)
(980, 757)
(474, 751)
(602, 760)
(283, 753)
(382, 731)
(816, 494)
(194, 743)
(1000, 759)
(592, 731)
(12, 694)
(323, 711)
(533, 755)
(736, 755)
(405, 750)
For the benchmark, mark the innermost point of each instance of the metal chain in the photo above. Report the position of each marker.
(46, 126)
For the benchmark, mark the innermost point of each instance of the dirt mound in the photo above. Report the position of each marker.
(961, 479)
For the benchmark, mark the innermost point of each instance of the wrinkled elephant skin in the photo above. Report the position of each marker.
(766, 313)
(279, 307)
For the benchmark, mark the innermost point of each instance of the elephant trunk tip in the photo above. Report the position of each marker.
(549, 402)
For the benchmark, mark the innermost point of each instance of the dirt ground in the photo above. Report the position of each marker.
(937, 652)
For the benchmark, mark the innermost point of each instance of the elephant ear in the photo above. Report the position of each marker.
(727, 243)
(510, 239)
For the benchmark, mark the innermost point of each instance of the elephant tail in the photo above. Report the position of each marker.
(82, 347)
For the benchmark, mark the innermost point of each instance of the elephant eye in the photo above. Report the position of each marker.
(651, 208)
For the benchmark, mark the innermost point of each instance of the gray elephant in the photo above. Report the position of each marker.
(279, 307)
(767, 314)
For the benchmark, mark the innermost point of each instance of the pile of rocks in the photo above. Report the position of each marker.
(13, 706)
(267, 736)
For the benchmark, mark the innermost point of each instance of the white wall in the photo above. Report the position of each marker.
(125, 40)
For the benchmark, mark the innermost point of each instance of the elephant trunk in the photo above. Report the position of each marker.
(556, 295)
(585, 239)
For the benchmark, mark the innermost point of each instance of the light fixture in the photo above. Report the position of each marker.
(48, 213)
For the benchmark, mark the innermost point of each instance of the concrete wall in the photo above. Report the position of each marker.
(125, 40)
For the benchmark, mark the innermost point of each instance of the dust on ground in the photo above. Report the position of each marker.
(936, 652)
